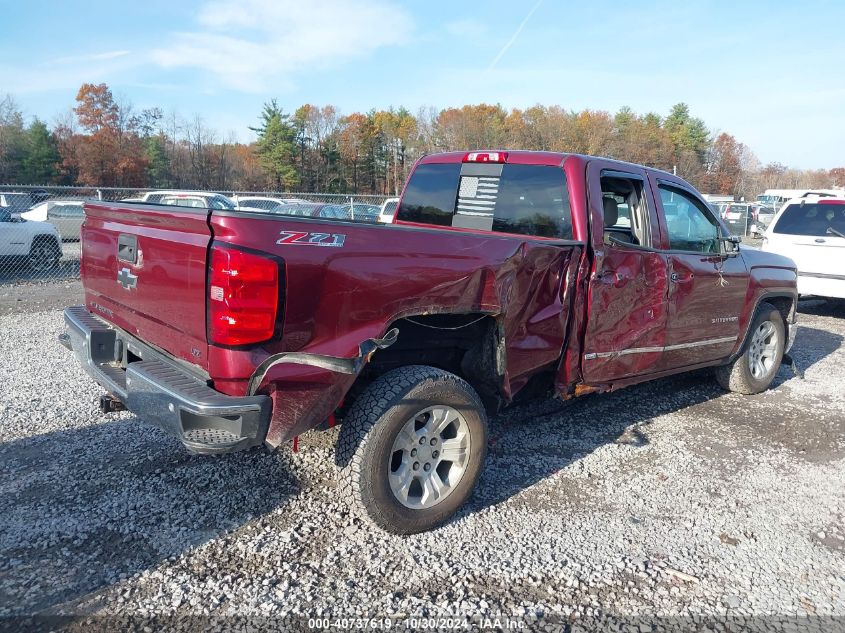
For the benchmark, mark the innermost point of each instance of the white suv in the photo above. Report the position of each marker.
(811, 231)
(36, 242)
(388, 210)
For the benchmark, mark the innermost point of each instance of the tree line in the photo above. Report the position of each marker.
(105, 142)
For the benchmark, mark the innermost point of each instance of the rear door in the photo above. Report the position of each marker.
(707, 289)
(144, 269)
(627, 314)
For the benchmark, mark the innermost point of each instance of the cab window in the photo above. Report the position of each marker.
(625, 209)
(508, 198)
(690, 226)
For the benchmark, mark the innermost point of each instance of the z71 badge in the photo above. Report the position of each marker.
(301, 238)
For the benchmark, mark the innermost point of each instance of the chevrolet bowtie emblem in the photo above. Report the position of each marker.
(126, 279)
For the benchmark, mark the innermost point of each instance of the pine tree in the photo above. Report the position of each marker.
(687, 133)
(39, 164)
(158, 162)
(276, 146)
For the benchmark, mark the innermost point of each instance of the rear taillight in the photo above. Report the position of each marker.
(243, 297)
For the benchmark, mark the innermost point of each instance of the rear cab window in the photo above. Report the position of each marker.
(820, 219)
(501, 197)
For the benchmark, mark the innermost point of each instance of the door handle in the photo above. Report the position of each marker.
(127, 248)
(679, 279)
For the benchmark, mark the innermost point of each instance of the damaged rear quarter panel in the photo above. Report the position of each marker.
(336, 298)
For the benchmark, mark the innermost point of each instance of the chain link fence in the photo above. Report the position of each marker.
(40, 226)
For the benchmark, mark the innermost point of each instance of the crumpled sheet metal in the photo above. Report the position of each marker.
(335, 303)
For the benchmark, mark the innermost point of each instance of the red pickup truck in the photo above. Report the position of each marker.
(503, 274)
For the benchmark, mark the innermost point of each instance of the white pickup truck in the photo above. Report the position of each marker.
(36, 243)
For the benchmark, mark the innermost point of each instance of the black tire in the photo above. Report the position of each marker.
(366, 445)
(738, 376)
(44, 254)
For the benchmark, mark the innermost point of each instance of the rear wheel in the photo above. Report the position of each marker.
(754, 370)
(412, 448)
(44, 254)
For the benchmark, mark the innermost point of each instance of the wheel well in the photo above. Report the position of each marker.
(784, 306)
(468, 345)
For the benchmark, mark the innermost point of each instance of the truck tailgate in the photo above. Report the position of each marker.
(144, 269)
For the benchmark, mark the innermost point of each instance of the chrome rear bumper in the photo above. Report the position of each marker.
(160, 391)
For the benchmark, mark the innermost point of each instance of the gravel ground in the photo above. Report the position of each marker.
(17, 270)
(665, 501)
(28, 297)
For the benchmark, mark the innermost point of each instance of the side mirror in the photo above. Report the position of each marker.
(730, 245)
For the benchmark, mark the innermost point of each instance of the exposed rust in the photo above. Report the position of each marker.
(582, 389)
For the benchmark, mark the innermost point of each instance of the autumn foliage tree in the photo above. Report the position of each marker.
(110, 153)
(724, 168)
(103, 141)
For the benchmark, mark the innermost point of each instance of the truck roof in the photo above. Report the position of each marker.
(529, 157)
(520, 157)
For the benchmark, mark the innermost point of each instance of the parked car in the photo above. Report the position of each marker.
(718, 207)
(738, 216)
(16, 202)
(35, 243)
(209, 200)
(358, 211)
(811, 231)
(388, 210)
(260, 202)
(762, 216)
(184, 200)
(345, 211)
(503, 274)
(65, 215)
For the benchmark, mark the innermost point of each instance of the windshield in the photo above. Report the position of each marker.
(522, 199)
(820, 219)
(17, 202)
